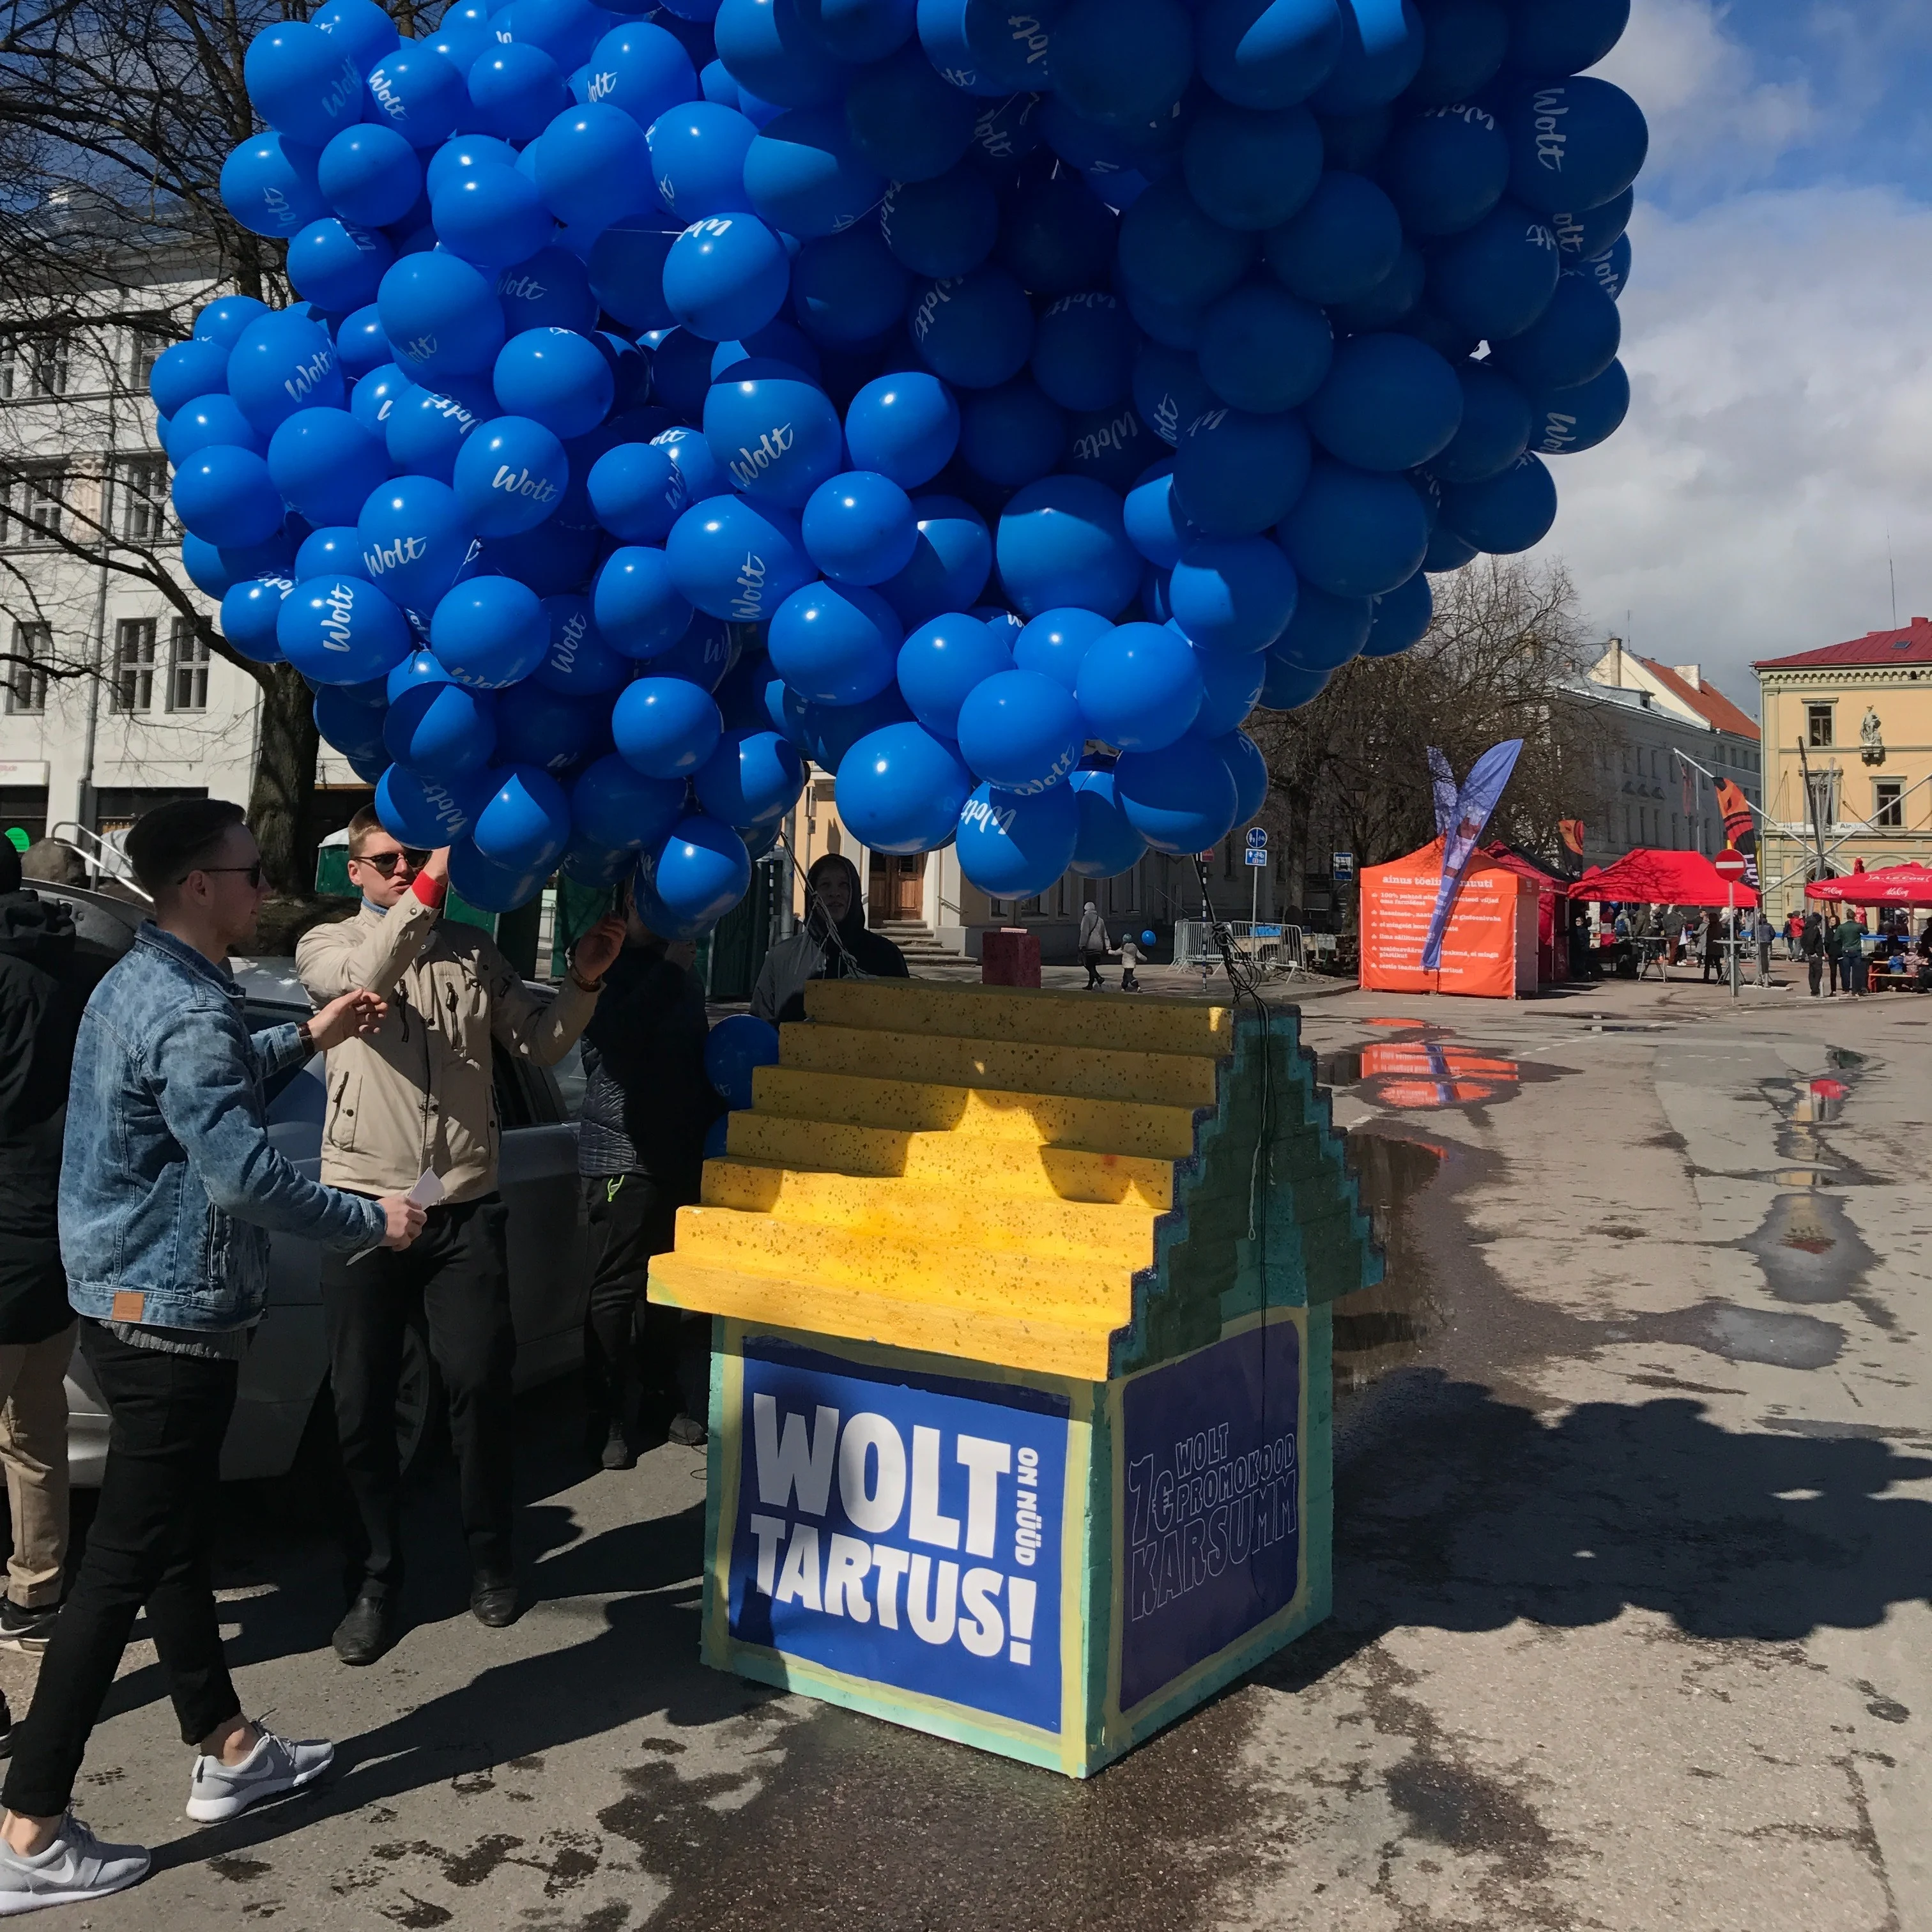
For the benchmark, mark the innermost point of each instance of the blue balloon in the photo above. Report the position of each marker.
(568, 31)
(354, 729)
(1139, 687)
(1021, 730)
(942, 662)
(644, 70)
(905, 120)
(1353, 533)
(1123, 63)
(1231, 687)
(699, 873)
(950, 566)
(1171, 251)
(377, 395)
(859, 528)
(1181, 798)
(1566, 37)
(491, 216)
(269, 186)
(489, 887)
(944, 228)
(626, 266)
(1058, 237)
(1610, 270)
(281, 363)
(523, 822)
(459, 155)
(1587, 233)
(1564, 421)
(1572, 143)
(1401, 617)
(614, 807)
(1267, 53)
(214, 571)
(489, 632)
(1235, 474)
(516, 90)
(733, 1050)
(846, 289)
(1389, 403)
(550, 290)
(360, 342)
(224, 320)
(1289, 686)
(415, 537)
(188, 372)
(1169, 391)
(726, 276)
(441, 316)
(768, 52)
(555, 377)
(804, 176)
(1062, 542)
(547, 728)
(1232, 596)
(1264, 350)
(425, 431)
(1495, 429)
(1013, 844)
(736, 559)
(1012, 436)
(704, 476)
(1395, 298)
(900, 789)
(697, 160)
(1247, 768)
(249, 611)
(463, 36)
(330, 551)
(1342, 243)
(575, 658)
(510, 475)
(335, 266)
(1382, 43)
(440, 727)
(858, 30)
(1447, 551)
(834, 644)
(325, 463)
(905, 426)
(304, 83)
(1506, 514)
(1111, 447)
(976, 331)
(418, 94)
(1466, 41)
(1499, 276)
(211, 419)
(1325, 631)
(1445, 169)
(777, 435)
(226, 495)
(665, 727)
(637, 491)
(1154, 524)
(637, 608)
(1573, 340)
(421, 809)
(341, 630)
(1106, 844)
(753, 778)
(1252, 168)
(1055, 644)
(1083, 352)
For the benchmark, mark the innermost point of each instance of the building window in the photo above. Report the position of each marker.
(143, 485)
(1818, 723)
(187, 668)
(1889, 802)
(133, 687)
(30, 508)
(34, 368)
(26, 669)
(144, 349)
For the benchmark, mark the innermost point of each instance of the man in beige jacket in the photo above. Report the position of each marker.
(416, 1096)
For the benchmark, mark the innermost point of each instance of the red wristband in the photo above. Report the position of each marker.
(431, 892)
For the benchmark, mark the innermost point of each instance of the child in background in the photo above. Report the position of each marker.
(1131, 956)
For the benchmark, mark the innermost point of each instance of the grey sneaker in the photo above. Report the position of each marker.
(75, 1867)
(276, 1765)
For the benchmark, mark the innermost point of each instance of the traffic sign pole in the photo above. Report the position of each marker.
(1729, 866)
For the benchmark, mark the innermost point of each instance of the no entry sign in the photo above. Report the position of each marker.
(1730, 864)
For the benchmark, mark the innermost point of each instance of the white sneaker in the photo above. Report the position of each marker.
(75, 1867)
(276, 1765)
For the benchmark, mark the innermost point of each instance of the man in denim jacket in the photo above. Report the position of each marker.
(170, 1189)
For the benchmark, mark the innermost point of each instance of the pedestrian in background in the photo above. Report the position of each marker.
(169, 1187)
(1714, 944)
(417, 1095)
(647, 1106)
(1852, 953)
(1092, 943)
(1811, 946)
(1131, 956)
(1767, 936)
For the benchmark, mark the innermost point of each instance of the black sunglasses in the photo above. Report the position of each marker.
(385, 863)
(252, 873)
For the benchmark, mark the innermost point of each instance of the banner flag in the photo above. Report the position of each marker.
(1690, 778)
(1572, 829)
(1740, 827)
(1469, 818)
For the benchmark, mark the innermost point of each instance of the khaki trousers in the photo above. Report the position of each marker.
(33, 1448)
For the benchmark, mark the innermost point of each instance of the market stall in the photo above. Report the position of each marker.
(1489, 946)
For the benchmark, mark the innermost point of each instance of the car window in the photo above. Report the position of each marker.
(513, 1098)
(296, 1093)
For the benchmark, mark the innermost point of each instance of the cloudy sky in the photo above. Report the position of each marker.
(1777, 331)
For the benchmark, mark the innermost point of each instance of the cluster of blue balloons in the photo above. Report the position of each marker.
(990, 407)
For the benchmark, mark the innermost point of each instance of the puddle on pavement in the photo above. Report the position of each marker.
(1387, 1326)
(1423, 1075)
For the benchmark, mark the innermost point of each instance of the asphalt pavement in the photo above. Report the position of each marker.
(1633, 1556)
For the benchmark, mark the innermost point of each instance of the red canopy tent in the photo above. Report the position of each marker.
(1552, 909)
(1645, 877)
(1895, 885)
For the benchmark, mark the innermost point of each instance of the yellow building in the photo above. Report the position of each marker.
(1857, 717)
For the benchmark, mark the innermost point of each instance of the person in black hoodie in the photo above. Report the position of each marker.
(647, 1106)
(44, 983)
(834, 943)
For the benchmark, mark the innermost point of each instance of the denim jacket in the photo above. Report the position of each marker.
(169, 1185)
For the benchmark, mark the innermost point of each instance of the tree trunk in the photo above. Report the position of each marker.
(279, 807)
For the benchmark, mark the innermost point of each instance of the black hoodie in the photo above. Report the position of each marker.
(814, 953)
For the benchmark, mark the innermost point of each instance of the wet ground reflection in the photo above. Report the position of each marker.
(1418, 1075)
(1389, 1325)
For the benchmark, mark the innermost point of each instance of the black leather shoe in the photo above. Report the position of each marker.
(493, 1600)
(371, 1627)
(617, 1453)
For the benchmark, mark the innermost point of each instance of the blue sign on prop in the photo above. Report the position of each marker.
(1210, 1510)
(1257, 834)
(903, 1529)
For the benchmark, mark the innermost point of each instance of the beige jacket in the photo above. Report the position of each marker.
(417, 1093)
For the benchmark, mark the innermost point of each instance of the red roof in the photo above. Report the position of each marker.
(1912, 645)
(1646, 877)
(1908, 884)
(1705, 698)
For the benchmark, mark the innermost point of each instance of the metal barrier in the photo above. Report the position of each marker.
(1268, 950)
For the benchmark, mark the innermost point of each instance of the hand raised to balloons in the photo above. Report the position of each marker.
(596, 950)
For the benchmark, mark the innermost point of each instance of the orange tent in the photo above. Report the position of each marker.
(1490, 950)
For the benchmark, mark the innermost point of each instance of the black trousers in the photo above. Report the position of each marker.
(1091, 960)
(1814, 966)
(632, 1351)
(149, 1547)
(455, 1280)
